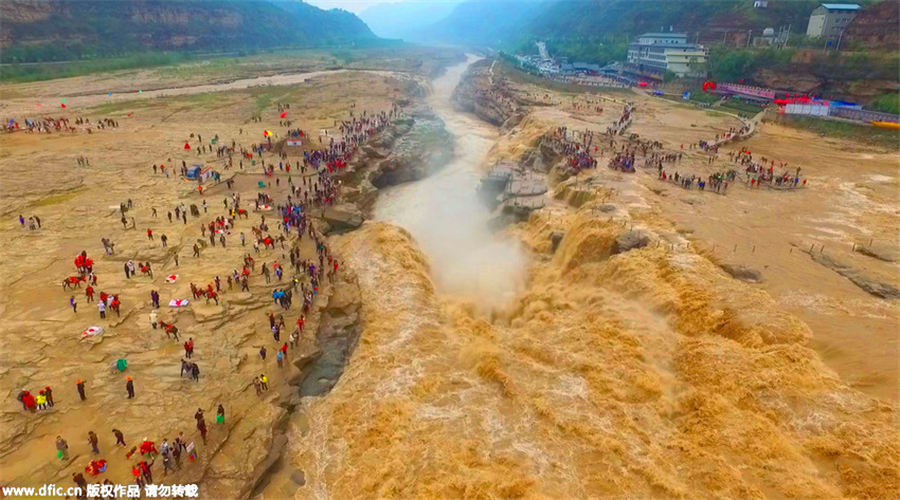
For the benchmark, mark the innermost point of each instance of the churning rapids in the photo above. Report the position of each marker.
(648, 372)
(444, 215)
(619, 360)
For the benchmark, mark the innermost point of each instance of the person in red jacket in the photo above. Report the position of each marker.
(29, 402)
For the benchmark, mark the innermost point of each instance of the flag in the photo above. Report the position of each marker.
(294, 142)
(267, 133)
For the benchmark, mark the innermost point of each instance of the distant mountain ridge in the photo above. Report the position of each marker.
(576, 27)
(406, 20)
(52, 30)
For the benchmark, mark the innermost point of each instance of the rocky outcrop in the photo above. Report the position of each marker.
(868, 284)
(630, 240)
(338, 334)
(412, 149)
(884, 254)
(487, 97)
(743, 273)
(876, 26)
(342, 219)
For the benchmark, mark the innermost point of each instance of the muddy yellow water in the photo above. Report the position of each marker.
(649, 373)
(446, 218)
(488, 364)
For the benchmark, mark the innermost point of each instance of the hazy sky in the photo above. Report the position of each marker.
(355, 6)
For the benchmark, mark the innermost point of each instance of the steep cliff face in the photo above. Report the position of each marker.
(68, 29)
(876, 27)
(487, 98)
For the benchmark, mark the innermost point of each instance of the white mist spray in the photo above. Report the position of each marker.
(445, 216)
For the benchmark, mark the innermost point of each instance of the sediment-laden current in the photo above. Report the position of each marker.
(614, 369)
(446, 218)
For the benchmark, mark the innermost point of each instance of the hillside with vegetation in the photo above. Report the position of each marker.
(63, 30)
(599, 31)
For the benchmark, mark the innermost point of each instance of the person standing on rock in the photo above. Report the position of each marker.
(264, 382)
(153, 318)
(167, 463)
(120, 438)
(138, 476)
(189, 348)
(176, 453)
(78, 478)
(73, 304)
(62, 448)
(220, 414)
(127, 271)
(101, 306)
(129, 386)
(92, 439)
(201, 424)
(49, 393)
(80, 385)
(149, 234)
(195, 372)
(262, 352)
(147, 473)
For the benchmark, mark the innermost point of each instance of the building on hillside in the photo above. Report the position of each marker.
(657, 53)
(877, 27)
(829, 20)
(542, 50)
